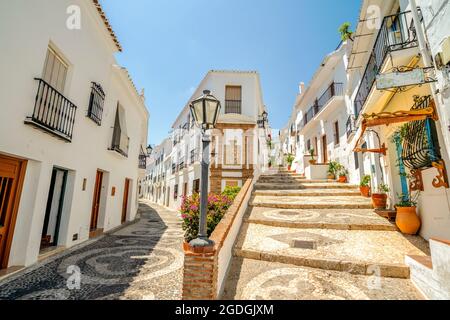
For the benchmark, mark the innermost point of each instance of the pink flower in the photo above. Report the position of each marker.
(194, 207)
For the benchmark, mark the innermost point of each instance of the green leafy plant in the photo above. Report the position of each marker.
(333, 167)
(311, 153)
(231, 192)
(383, 188)
(345, 31)
(407, 200)
(365, 181)
(190, 213)
(290, 159)
(342, 171)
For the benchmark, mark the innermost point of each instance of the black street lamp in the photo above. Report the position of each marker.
(263, 120)
(205, 112)
(149, 150)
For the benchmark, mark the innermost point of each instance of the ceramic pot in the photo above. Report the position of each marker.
(342, 179)
(407, 220)
(312, 161)
(379, 200)
(365, 191)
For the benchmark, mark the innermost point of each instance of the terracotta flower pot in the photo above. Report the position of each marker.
(312, 161)
(407, 220)
(289, 167)
(342, 179)
(379, 200)
(365, 191)
(331, 176)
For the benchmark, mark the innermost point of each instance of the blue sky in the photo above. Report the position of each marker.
(169, 45)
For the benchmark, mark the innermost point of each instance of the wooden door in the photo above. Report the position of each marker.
(12, 172)
(324, 149)
(125, 200)
(96, 201)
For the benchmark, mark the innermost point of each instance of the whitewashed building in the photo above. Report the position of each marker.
(238, 148)
(73, 129)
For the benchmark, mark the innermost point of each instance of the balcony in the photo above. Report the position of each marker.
(397, 33)
(233, 106)
(334, 90)
(181, 165)
(194, 156)
(142, 161)
(53, 112)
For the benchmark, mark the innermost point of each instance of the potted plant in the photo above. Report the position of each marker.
(311, 153)
(379, 198)
(332, 170)
(364, 186)
(407, 219)
(289, 159)
(342, 174)
(345, 31)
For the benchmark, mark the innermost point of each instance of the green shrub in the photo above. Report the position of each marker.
(190, 213)
(231, 192)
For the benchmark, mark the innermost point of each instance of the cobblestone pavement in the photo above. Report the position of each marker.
(142, 261)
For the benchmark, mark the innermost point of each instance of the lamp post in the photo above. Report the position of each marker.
(205, 112)
(149, 150)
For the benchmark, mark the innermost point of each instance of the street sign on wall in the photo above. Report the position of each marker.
(400, 79)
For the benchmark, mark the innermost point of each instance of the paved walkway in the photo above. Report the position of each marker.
(318, 240)
(141, 261)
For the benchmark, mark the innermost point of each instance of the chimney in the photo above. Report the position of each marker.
(301, 88)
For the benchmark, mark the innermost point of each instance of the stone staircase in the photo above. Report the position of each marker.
(319, 229)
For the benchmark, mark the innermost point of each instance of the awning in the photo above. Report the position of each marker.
(387, 118)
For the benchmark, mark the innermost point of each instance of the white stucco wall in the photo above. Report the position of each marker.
(27, 28)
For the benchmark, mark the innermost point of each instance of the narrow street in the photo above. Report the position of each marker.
(142, 261)
(305, 239)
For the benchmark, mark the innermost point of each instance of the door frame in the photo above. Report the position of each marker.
(60, 205)
(125, 201)
(96, 199)
(15, 208)
(324, 149)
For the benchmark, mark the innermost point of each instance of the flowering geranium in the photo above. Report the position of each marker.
(218, 205)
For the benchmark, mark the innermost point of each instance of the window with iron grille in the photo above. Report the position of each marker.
(175, 192)
(96, 102)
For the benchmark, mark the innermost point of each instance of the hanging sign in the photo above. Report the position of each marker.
(400, 79)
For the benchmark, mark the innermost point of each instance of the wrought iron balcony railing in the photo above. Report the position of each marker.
(397, 33)
(335, 89)
(53, 112)
(142, 161)
(194, 156)
(233, 106)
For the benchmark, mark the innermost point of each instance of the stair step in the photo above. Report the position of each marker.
(309, 192)
(361, 219)
(315, 202)
(357, 252)
(425, 261)
(299, 186)
(260, 280)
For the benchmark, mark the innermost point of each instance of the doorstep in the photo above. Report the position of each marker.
(50, 252)
(6, 273)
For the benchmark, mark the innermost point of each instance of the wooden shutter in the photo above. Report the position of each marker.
(233, 93)
(55, 71)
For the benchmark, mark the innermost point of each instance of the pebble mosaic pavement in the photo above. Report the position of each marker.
(142, 261)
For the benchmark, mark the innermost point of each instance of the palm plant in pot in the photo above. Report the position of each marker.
(289, 159)
(407, 219)
(364, 186)
(332, 170)
(311, 153)
(379, 198)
